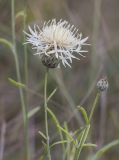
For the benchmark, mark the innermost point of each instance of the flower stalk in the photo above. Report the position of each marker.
(87, 128)
(46, 114)
(94, 106)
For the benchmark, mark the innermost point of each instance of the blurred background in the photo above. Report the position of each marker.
(97, 19)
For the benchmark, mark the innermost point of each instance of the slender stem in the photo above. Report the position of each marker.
(24, 111)
(25, 46)
(82, 141)
(92, 112)
(66, 152)
(26, 82)
(46, 115)
(86, 131)
(94, 106)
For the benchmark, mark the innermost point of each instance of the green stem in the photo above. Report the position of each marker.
(25, 47)
(82, 141)
(24, 111)
(26, 82)
(46, 114)
(94, 106)
(86, 131)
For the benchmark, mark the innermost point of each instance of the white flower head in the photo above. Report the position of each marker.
(57, 39)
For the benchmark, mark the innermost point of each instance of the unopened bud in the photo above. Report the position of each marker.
(102, 85)
(50, 61)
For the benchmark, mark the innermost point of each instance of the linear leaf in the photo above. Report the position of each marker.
(20, 14)
(78, 131)
(94, 106)
(53, 116)
(52, 94)
(59, 142)
(44, 145)
(105, 149)
(56, 122)
(33, 111)
(16, 84)
(89, 145)
(7, 43)
(84, 113)
(42, 134)
(65, 131)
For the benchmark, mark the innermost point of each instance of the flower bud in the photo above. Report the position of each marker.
(50, 61)
(102, 84)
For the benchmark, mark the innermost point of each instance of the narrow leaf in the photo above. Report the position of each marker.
(105, 149)
(7, 43)
(84, 113)
(89, 145)
(52, 94)
(83, 136)
(65, 131)
(16, 84)
(44, 145)
(56, 122)
(53, 116)
(20, 14)
(42, 134)
(33, 112)
(59, 142)
(78, 131)
(94, 106)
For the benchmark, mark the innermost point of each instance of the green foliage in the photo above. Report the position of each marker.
(94, 106)
(33, 111)
(84, 113)
(20, 14)
(89, 145)
(54, 118)
(6, 43)
(16, 84)
(42, 134)
(59, 142)
(66, 133)
(104, 149)
(52, 94)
